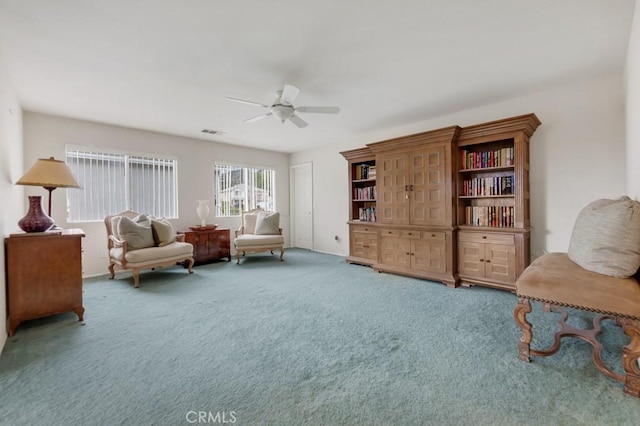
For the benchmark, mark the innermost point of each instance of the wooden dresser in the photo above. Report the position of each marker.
(209, 245)
(44, 275)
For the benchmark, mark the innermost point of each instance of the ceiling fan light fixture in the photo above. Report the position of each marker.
(282, 112)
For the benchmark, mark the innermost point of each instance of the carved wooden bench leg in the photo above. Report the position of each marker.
(520, 314)
(630, 354)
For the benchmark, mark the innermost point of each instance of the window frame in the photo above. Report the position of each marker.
(242, 166)
(128, 155)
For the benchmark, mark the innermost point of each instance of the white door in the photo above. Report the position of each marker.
(302, 197)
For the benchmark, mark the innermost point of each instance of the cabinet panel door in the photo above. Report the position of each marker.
(358, 244)
(436, 186)
(395, 251)
(371, 249)
(200, 246)
(471, 259)
(500, 262)
(364, 245)
(429, 255)
(391, 187)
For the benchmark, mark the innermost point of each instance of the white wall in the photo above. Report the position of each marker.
(633, 107)
(577, 155)
(10, 171)
(46, 136)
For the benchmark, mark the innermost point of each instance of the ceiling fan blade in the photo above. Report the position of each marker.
(319, 109)
(298, 121)
(257, 117)
(289, 93)
(247, 102)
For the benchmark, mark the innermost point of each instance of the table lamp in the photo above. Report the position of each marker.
(50, 174)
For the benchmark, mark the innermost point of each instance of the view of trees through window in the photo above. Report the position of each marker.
(239, 189)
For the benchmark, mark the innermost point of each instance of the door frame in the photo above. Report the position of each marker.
(309, 166)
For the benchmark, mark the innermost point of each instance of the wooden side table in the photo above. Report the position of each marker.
(209, 245)
(44, 275)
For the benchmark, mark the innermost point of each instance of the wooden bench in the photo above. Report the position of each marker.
(554, 280)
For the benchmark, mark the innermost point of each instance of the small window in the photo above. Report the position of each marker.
(239, 189)
(114, 182)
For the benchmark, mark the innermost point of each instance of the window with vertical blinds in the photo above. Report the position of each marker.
(239, 189)
(114, 182)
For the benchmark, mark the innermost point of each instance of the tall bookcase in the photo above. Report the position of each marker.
(493, 201)
(363, 238)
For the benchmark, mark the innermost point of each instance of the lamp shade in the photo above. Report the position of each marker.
(49, 173)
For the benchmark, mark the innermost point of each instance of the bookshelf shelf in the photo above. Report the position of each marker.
(486, 196)
(486, 169)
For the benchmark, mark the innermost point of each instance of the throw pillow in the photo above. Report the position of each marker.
(249, 222)
(136, 232)
(115, 221)
(267, 223)
(606, 237)
(163, 232)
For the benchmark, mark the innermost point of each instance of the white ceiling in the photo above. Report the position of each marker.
(167, 66)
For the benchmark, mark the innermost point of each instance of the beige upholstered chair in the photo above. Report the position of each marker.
(128, 251)
(260, 231)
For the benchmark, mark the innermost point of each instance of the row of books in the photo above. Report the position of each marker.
(496, 185)
(368, 193)
(364, 171)
(493, 216)
(367, 214)
(494, 158)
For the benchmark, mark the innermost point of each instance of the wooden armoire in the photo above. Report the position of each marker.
(448, 205)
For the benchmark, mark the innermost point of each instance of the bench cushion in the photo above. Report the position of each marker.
(554, 278)
(154, 253)
(250, 240)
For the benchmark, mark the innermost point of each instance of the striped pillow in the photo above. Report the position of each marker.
(606, 237)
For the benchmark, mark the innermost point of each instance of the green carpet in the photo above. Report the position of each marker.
(311, 340)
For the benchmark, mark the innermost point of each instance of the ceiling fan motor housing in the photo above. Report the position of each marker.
(282, 112)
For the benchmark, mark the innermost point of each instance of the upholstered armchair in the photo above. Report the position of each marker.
(138, 242)
(260, 231)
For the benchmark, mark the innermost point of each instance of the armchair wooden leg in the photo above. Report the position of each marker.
(190, 265)
(136, 278)
(237, 257)
(630, 355)
(281, 254)
(112, 271)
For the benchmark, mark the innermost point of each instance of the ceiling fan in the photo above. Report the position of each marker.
(283, 109)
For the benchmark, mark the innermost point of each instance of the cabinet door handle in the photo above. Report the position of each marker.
(410, 187)
(484, 237)
(408, 254)
(488, 261)
(409, 233)
(433, 235)
(481, 260)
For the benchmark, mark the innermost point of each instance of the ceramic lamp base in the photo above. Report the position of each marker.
(35, 220)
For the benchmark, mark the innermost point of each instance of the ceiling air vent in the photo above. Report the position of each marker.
(212, 132)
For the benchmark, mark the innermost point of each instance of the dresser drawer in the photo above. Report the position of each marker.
(362, 228)
(413, 234)
(487, 237)
(434, 235)
(389, 232)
